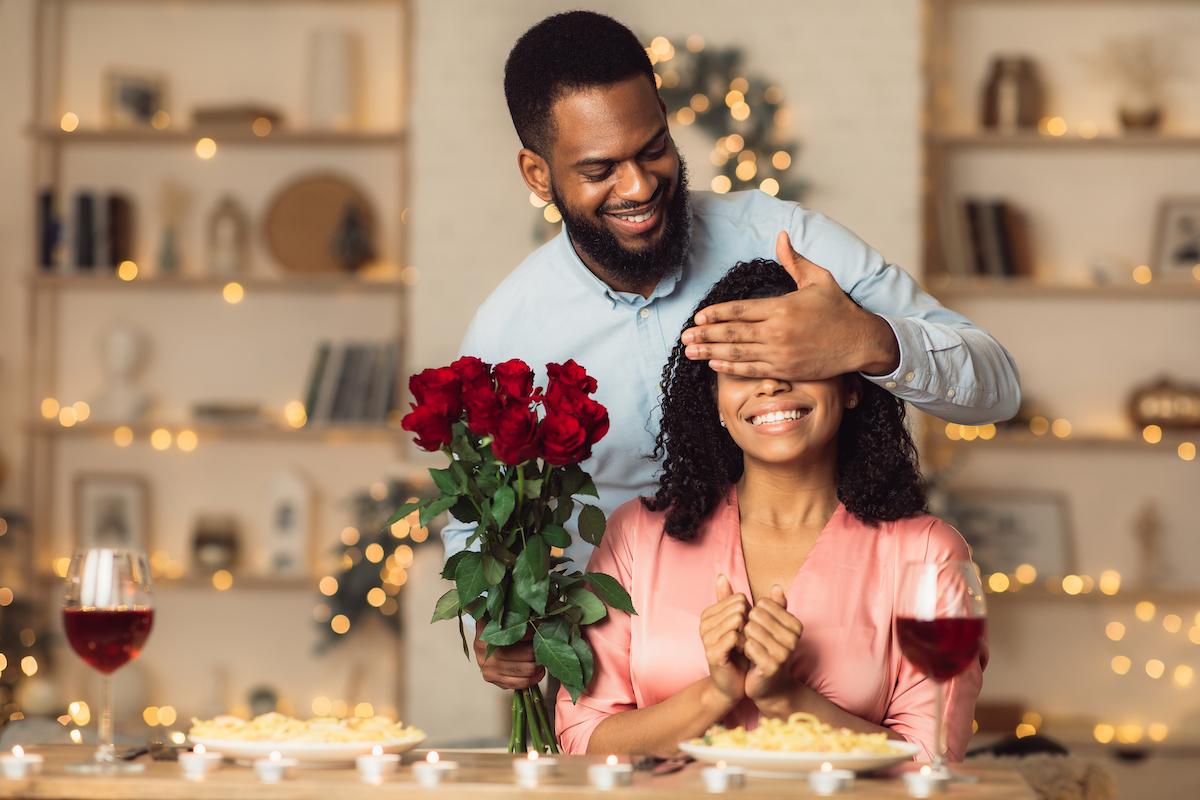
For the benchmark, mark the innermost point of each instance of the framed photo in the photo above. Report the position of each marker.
(111, 511)
(1177, 239)
(1008, 528)
(133, 98)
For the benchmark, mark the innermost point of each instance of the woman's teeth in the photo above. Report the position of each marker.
(779, 416)
(638, 218)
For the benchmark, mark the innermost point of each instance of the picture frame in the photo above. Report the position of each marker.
(1177, 239)
(133, 97)
(112, 510)
(1006, 528)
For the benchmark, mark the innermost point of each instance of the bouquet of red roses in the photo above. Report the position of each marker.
(514, 471)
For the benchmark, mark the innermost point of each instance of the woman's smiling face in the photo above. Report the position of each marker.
(780, 422)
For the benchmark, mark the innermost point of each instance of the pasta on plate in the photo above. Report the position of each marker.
(801, 733)
(274, 727)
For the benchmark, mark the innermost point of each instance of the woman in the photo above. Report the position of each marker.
(784, 514)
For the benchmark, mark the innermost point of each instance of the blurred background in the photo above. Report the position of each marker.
(230, 230)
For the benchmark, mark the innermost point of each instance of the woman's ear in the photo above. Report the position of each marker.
(854, 391)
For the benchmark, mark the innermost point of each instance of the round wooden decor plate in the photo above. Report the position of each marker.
(304, 217)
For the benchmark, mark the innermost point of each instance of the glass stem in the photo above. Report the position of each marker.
(939, 726)
(105, 753)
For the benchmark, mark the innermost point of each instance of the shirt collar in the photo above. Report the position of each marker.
(666, 284)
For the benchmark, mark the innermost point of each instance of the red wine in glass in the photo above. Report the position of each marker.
(107, 639)
(941, 648)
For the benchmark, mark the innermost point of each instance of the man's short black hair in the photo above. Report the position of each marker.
(562, 53)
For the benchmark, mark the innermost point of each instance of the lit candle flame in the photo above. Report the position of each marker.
(533, 755)
(19, 751)
(926, 770)
(200, 749)
(275, 755)
(611, 761)
(433, 757)
(377, 750)
(826, 767)
(721, 765)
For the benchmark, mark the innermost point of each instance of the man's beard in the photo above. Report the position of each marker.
(634, 268)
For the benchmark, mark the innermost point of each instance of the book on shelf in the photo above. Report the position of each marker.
(351, 383)
(984, 237)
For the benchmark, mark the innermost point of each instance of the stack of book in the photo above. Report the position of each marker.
(352, 384)
(985, 237)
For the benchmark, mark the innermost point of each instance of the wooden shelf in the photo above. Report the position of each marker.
(221, 135)
(1039, 594)
(1048, 441)
(105, 280)
(962, 287)
(208, 432)
(1133, 141)
(240, 582)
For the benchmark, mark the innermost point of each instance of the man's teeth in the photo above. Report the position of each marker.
(638, 218)
(779, 416)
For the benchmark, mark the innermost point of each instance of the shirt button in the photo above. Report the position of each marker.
(890, 385)
(908, 378)
(645, 312)
(950, 393)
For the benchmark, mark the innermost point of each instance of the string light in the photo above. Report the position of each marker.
(1110, 581)
(160, 120)
(1115, 631)
(1039, 426)
(295, 414)
(364, 710)
(49, 408)
(1154, 668)
(721, 184)
(1183, 675)
(127, 271)
(340, 624)
(552, 214)
(187, 440)
(685, 116)
(695, 43)
(69, 122)
(1121, 664)
(222, 579)
(321, 706)
(1187, 451)
(770, 186)
(1061, 428)
(1104, 733)
(1152, 434)
(1142, 274)
(160, 439)
(328, 586)
(1088, 129)
(1172, 623)
(233, 293)
(206, 148)
(1144, 611)
(261, 126)
(1026, 574)
(699, 103)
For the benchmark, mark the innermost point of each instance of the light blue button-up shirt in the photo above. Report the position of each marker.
(553, 308)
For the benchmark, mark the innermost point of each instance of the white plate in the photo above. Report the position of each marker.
(309, 754)
(796, 762)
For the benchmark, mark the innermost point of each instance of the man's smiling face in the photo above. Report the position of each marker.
(619, 182)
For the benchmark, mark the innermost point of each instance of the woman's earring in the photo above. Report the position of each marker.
(853, 403)
(723, 425)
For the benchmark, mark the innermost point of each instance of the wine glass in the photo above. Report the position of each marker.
(941, 619)
(108, 609)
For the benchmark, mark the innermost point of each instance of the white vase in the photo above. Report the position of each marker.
(332, 74)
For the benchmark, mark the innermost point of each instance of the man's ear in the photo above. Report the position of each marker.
(535, 170)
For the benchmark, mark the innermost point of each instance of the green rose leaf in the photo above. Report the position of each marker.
(465, 452)
(533, 488)
(560, 660)
(591, 525)
(436, 507)
(475, 608)
(563, 511)
(588, 487)
(452, 564)
(469, 578)
(493, 570)
(464, 510)
(586, 659)
(591, 606)
(610, 591)
(446, 481)
(555, 629)
(503, 504)
(403, 511)
(447, 606)
(556, 536)
(495, 601)
(510, 632)
(529, 575)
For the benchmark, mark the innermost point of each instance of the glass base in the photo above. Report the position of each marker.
(105, 767)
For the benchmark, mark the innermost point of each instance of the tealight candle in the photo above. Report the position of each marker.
(275, 768)
(433, 770)
(610, 774)
(199, 762)
(377, 765)
(927, 782)
(723, 777)
(827, 780)
(533, 768)
(20, 765)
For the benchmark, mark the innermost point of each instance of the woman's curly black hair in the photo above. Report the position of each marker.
(877, 468)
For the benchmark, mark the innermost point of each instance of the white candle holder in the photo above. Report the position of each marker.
(198, 763)
(275, 769)
(433, 770)
(830, 781)
(376, 767)
(533, 769)
(927, 782)
(722, 778)
(20, 765)
(610, 775)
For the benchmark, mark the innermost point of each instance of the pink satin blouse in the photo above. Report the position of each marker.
(844, 593)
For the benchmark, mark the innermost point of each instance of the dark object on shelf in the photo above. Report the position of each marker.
(352, 383)
(235, 116)
(351, 243)
(1012, 97)
(85, 230)
(1166, 404)
(120, 229)
(303, 219)
(227, 413)
(1022, 746)
(49, 228)
(228, 239)
(133, 98)
(215, 545)
(263, 700)
(1142, 121)
(992, 234)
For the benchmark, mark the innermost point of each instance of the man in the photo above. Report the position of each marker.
(639, 250)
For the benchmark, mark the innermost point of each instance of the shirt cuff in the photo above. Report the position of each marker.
(916, 379)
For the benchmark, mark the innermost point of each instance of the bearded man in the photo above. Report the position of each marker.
(637, 252)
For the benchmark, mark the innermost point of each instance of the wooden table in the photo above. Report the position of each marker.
(483, 776)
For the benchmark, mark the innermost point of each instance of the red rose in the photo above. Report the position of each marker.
(564, 439)
(483, 409)
(432, 429)
(592, 416)
(473, 373)
(516, 433)
(515, 379)
(568, 376)
(438, 389)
